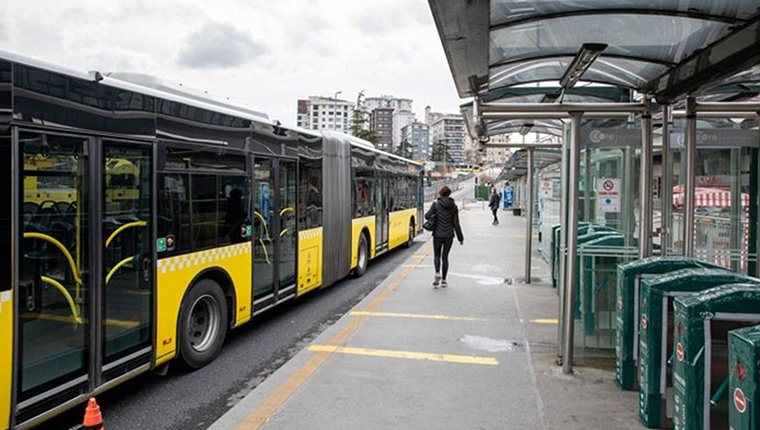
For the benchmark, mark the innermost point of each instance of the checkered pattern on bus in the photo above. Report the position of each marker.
(203, 258)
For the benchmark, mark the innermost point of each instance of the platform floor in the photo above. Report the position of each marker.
(480, 354)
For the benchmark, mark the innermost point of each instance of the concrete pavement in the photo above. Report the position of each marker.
(479, 354)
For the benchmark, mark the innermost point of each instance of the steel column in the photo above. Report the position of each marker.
(529, 218)
(561, 251)
(568, 108)
(645, 216)
(572, 244)
(735, 237)
(666, 196)
(690, 135)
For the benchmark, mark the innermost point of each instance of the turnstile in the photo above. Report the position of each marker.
(628, 286)
(700, 367)
(656, 336)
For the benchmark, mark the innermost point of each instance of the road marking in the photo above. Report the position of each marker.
(281, 394)
(415, 266)
(409, 355)
(485, 280)
(545, 321)
(421, 316)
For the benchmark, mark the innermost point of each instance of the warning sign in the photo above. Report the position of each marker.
(740, 402)
(546, 188)
(679, 351)
(608, 195)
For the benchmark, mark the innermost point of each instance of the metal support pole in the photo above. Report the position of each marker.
(587, 186)
(666, 197)
(561, 251)
(572, 244)
(735, 223)
(529, 218)
(645, 216)
(691, 180)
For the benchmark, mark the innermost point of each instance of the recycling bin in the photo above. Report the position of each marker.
(744, 378)
(700, 366)
(629, 278)
(656, 335)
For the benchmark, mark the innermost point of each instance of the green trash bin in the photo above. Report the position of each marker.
(744, 379)
(482, 192)
(627, 342)
(656, 342)
(700, 367)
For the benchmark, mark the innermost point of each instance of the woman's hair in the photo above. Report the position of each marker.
(444, 191)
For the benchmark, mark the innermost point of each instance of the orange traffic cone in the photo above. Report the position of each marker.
(93, 420)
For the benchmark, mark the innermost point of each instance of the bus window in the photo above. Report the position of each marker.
(364, 204)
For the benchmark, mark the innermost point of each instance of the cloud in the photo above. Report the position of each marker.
(219, 46)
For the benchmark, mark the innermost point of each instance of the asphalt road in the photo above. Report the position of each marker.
(185, 399)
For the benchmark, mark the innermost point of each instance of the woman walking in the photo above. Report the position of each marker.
(494, 205)
(446, 214)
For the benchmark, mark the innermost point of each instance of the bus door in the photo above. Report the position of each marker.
(263, 217)
(126, 278)
(83, 261)
(286, 250)
(381, 210)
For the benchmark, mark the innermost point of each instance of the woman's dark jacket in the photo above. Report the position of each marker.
(494, 203)
(446, 218)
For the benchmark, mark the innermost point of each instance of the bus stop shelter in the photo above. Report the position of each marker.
(599, 73)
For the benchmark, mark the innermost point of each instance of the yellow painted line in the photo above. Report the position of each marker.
(545, 321)
(421, 316)
(387, 353)
(415, 266)
(281, 394)
(68, 319)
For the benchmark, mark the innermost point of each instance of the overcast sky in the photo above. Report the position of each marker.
(262, 53)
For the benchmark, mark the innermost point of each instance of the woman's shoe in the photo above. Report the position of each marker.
(444, 284)
(437, 280)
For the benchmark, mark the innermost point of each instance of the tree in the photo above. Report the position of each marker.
(358, 121)
(405, 149)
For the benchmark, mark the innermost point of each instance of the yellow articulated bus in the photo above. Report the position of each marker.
(142, 223)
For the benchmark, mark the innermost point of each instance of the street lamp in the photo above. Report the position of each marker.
(335, 110)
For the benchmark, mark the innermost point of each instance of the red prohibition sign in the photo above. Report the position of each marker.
(679, 352)
(740, 402)
(608, 185)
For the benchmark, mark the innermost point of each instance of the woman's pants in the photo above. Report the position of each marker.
(441, 248)
(495, 218)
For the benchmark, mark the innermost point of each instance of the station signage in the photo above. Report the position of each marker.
(598, 137)
(608, 195)
(718, 138)
(546, 188)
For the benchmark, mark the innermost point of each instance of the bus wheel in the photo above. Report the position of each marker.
(411, 235)
(203, 324)
(363, 257)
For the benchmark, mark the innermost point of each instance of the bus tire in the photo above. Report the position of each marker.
(362, 257)
(410, 241)
(203, 324)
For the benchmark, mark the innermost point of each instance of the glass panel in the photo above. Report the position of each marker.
(126, 255)
(174, 214)
(54, 253)
(263, 224)
(722, 197)
(310, 194)
(287, 217)
(652, 37)
(614, 71)
(504, 11)
(205, 211)
(233, 210)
